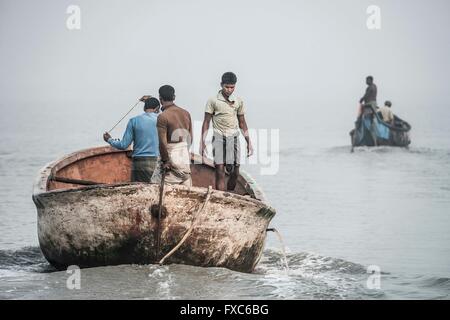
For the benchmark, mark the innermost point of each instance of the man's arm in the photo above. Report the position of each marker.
(244, 130)
(191, 134)
(162, 137)
(145, 98)
(127, 138)
(205, 128)
(365, 95)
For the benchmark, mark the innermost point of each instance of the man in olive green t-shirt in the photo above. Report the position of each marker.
(227, 113)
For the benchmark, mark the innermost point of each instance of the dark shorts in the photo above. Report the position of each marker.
(226, 150)
(142, 169)
(372, 104)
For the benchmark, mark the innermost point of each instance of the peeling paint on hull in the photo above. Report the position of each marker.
(112, 224)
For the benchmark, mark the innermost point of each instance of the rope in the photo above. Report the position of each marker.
(186, 235)
(124, 116)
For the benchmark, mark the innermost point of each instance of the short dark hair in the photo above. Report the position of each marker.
(151, 103)
(370, 78)
(229, 78)
(167, 93)
(388, 103)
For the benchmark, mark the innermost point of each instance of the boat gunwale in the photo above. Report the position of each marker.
(390, 126)
(45, 174)
(199, 190)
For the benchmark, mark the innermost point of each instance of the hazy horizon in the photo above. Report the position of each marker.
(301, 68)
(303, 53)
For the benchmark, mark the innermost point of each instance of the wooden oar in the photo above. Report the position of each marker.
(353, 142)
(76, 181)
(160, 210)
(356, 127)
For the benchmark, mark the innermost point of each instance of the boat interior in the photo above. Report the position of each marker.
(105, 165)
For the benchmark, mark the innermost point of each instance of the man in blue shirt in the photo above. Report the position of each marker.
(142, 132)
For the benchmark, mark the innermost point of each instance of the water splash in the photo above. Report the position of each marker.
(283, 248)
(311, 276)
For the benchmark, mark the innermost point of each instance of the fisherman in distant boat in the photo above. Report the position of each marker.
(370, 97)
(141, 131)
(175, 138)
(386, 113)
(367, 107)
(368, 103)
(374, 126)
(227, 113)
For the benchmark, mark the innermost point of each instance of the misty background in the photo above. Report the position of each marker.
(301, 68)
(299, 63)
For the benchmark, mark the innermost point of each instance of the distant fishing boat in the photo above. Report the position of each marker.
(373, 131)
(90, 214)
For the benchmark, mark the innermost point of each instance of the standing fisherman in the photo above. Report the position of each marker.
(175, 138)
(367, 108)
(370, 96)
(141, 131)
(227, 113)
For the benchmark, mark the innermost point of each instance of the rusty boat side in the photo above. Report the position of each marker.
(90, 214)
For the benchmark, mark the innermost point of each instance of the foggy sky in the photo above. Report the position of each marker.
(291, 57)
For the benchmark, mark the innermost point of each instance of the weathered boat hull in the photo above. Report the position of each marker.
(372, 131)
(112, 224)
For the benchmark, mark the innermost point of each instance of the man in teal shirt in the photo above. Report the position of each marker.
(141, 131)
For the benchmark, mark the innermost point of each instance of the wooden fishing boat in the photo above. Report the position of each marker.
(90, 214)
(372, 131)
